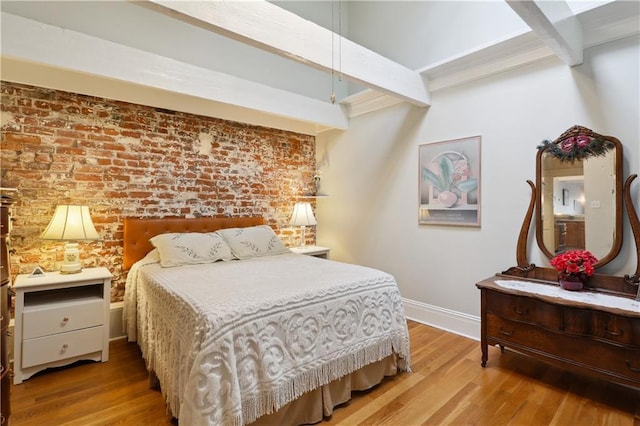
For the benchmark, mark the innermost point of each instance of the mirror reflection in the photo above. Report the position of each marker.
(579, 204)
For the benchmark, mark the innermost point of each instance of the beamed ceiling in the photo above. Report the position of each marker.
(111, 49)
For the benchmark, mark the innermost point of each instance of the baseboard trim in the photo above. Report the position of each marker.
(116, 328)
(434, 316)
(445, 319)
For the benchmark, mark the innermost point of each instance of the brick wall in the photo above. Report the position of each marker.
(123, 159)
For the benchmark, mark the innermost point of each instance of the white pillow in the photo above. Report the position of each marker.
(190, 248)
(253, 241)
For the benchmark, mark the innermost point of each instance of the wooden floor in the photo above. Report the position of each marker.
(447, 387)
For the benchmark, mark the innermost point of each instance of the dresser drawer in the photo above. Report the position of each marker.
(607, 358)
(524, 309)
(4, 353)
(61, 346)
(4, 261)
(615, 328)
(602, 325)
(62, 317)
(614, 360)
(4, 307)
(506, 330)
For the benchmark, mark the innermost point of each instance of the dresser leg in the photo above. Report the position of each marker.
(485, 354)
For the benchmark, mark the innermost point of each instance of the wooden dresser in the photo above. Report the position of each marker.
(595, 331)
(5, 278)
(576, 336)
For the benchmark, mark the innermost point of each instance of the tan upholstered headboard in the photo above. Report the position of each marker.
(137, 231)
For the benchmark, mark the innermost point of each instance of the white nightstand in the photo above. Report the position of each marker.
(317, 251)
(60, 319)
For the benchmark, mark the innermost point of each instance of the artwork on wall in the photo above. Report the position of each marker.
(449, 182)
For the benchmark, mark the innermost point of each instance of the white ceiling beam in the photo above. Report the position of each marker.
(513, 51)
(35, 42)
(278, 31)
(555, 24)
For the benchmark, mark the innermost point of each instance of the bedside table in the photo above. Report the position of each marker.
(316, 251)
(60, 319)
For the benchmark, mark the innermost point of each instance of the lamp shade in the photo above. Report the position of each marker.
(70, 223)
(303, 215)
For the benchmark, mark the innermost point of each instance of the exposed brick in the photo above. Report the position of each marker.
(64, 150)
(123, 159)
(33, 112)
(130, 134)
(19, 138)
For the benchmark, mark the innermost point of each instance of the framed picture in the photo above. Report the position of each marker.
(449, 182)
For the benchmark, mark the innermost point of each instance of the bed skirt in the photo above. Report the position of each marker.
(314, 406)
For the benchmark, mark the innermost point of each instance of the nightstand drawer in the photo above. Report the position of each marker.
(61, 346)
(62, 317)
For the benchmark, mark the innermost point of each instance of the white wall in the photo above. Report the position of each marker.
(371, 171)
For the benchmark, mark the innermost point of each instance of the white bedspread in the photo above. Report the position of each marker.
(231, 341)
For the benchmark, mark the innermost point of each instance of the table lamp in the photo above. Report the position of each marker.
(303, 216)
(71, 224)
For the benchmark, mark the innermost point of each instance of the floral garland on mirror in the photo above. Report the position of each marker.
(577, 148)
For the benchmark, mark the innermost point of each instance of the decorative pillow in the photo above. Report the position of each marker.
(190, 248)
(253, 241)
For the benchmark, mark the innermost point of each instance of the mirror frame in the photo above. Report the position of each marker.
(574, 132)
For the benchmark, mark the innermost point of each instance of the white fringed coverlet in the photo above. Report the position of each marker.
(232, 341)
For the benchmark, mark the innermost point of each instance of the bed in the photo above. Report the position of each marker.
(239, 330)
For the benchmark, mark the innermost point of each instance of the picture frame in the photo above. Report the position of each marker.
(449, 182)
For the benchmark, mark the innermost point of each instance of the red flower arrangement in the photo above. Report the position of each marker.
(574, 265)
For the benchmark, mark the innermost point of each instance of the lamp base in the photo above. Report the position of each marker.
(71, 264)
(303, 239)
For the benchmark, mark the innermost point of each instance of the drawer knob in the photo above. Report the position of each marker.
(505, 332)
(65, 320)
(615, 333)
(64, 348)
(632, 368)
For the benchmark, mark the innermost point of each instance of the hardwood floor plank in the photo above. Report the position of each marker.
(447, 387)
(361, 409)
(453, 407)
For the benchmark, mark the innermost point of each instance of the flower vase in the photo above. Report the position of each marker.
(572, 283)
(448, 198)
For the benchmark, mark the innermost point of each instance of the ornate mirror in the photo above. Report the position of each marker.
(579, 197)
(578, 200)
